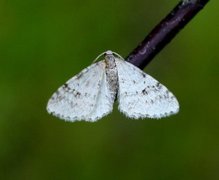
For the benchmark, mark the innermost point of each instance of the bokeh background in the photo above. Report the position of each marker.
(44, 43)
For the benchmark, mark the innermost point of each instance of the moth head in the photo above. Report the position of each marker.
(108, 56)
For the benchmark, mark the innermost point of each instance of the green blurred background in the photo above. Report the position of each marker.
(44, 43)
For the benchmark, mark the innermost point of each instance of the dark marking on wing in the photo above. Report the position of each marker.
(158, 85)
(144, 92)
(76, 93)
(66, 87)
(79, 75)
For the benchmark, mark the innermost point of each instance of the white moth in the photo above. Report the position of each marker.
(90, 94)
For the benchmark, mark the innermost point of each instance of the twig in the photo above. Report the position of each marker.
(165, 31)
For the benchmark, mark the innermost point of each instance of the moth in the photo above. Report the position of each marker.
(90, 95)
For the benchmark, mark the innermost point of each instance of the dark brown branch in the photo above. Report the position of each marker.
(165, 31)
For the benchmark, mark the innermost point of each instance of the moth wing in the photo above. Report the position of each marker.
(140, 95)
(85, 96)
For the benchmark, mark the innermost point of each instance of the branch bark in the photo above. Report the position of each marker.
(165, 31)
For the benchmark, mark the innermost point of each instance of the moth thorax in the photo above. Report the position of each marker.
(111, 74)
